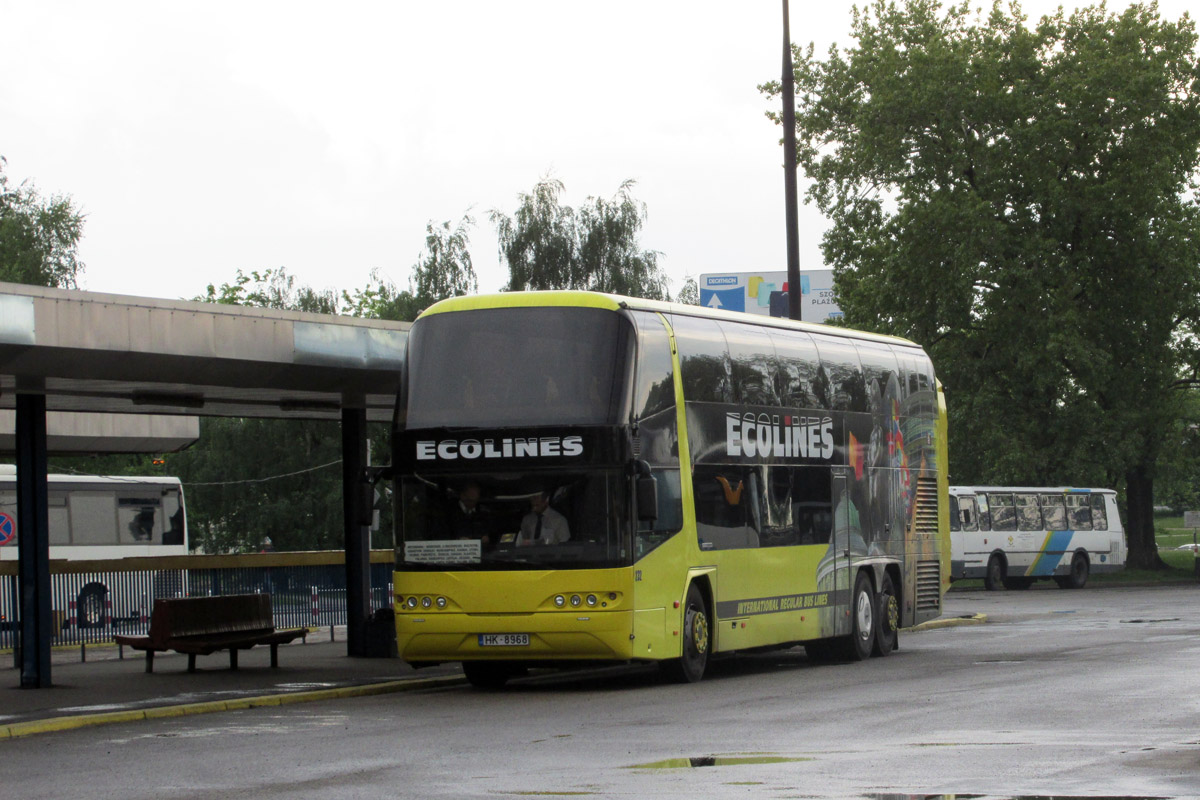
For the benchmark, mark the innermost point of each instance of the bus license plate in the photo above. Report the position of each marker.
(504, 640)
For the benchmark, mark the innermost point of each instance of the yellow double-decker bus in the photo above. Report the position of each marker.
(589, 478)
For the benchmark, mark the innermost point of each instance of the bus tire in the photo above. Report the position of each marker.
(89, 607)
(697, 640)
(862, 614)
(485, 674)
(993, 579)
(887, 618)
(1078, 576)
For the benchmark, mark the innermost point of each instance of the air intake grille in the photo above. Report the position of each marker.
(929, 576)
(925, 526)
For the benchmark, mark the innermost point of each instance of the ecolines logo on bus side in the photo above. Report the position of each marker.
(544, 447)
(749, 434)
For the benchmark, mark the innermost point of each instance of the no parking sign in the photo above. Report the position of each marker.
(8, 529)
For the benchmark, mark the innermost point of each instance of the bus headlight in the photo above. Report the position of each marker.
(426, 602)
(441, 602)
(575, 600)
(411, 602)
(591, 599)
(560, 601)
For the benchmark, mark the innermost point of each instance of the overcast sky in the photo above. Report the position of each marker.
(204, 138)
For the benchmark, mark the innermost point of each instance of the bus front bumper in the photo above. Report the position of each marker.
(541, 636)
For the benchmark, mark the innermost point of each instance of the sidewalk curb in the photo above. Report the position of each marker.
(18, 729)
(951, 622)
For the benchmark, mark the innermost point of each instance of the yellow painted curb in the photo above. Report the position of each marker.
(950, 622)
(17, 729)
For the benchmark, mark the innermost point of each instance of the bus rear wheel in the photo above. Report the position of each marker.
(993, 579)
(697, 640)
(1078, 576)
(887, 618)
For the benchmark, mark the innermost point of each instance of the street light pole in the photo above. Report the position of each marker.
(791, 203)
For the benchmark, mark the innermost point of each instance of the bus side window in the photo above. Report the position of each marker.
(812, 505)
(725, 499)
(1054, 513)
(1029, 516)
(954, 514)
(985, 516)
(1004, 513)
(1099, 515)
(969, 515)
(1079, 513)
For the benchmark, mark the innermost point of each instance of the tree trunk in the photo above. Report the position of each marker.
(1139, 535)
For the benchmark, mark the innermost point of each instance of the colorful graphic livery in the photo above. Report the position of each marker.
(587, 478)
(1012, 536)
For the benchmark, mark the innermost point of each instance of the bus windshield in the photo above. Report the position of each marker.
(564, 520)
(516, 366)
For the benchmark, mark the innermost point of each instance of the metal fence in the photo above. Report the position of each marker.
(91, 601)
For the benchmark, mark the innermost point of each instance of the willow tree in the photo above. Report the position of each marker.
(1021, 199)
(595, 247)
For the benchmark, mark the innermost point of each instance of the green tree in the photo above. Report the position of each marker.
(551, 246)
(444, 269)
(272, 288)
(38, 237)
(1022, 201)
(689, 293)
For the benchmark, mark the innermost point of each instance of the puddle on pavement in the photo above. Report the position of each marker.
(719, 761)
(1148, 621)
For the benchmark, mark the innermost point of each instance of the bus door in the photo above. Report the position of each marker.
(847, 528)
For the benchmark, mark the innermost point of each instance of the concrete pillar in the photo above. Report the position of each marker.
(33, 541)
(357, 529)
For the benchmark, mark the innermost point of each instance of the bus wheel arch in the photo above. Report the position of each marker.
(887, 614)
(90, 605)
(997, 571)
(696, 633)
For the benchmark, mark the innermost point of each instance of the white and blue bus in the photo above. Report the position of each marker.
(1012, 536)
(99, 518)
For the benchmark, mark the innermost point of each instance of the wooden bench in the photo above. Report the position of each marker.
(200, 626)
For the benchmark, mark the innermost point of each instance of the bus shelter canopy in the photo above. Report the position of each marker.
(86, 351)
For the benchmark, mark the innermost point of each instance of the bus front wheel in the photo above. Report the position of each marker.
(697, 638)
(993, 579)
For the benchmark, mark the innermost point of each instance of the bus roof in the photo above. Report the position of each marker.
(8, 473)
(581, 299)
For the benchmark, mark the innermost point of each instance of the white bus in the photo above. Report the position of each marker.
(95, 517)
(1012, 536)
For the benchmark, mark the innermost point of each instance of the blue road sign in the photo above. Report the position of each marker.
(726, 299)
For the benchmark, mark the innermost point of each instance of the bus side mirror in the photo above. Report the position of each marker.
(647, 493)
